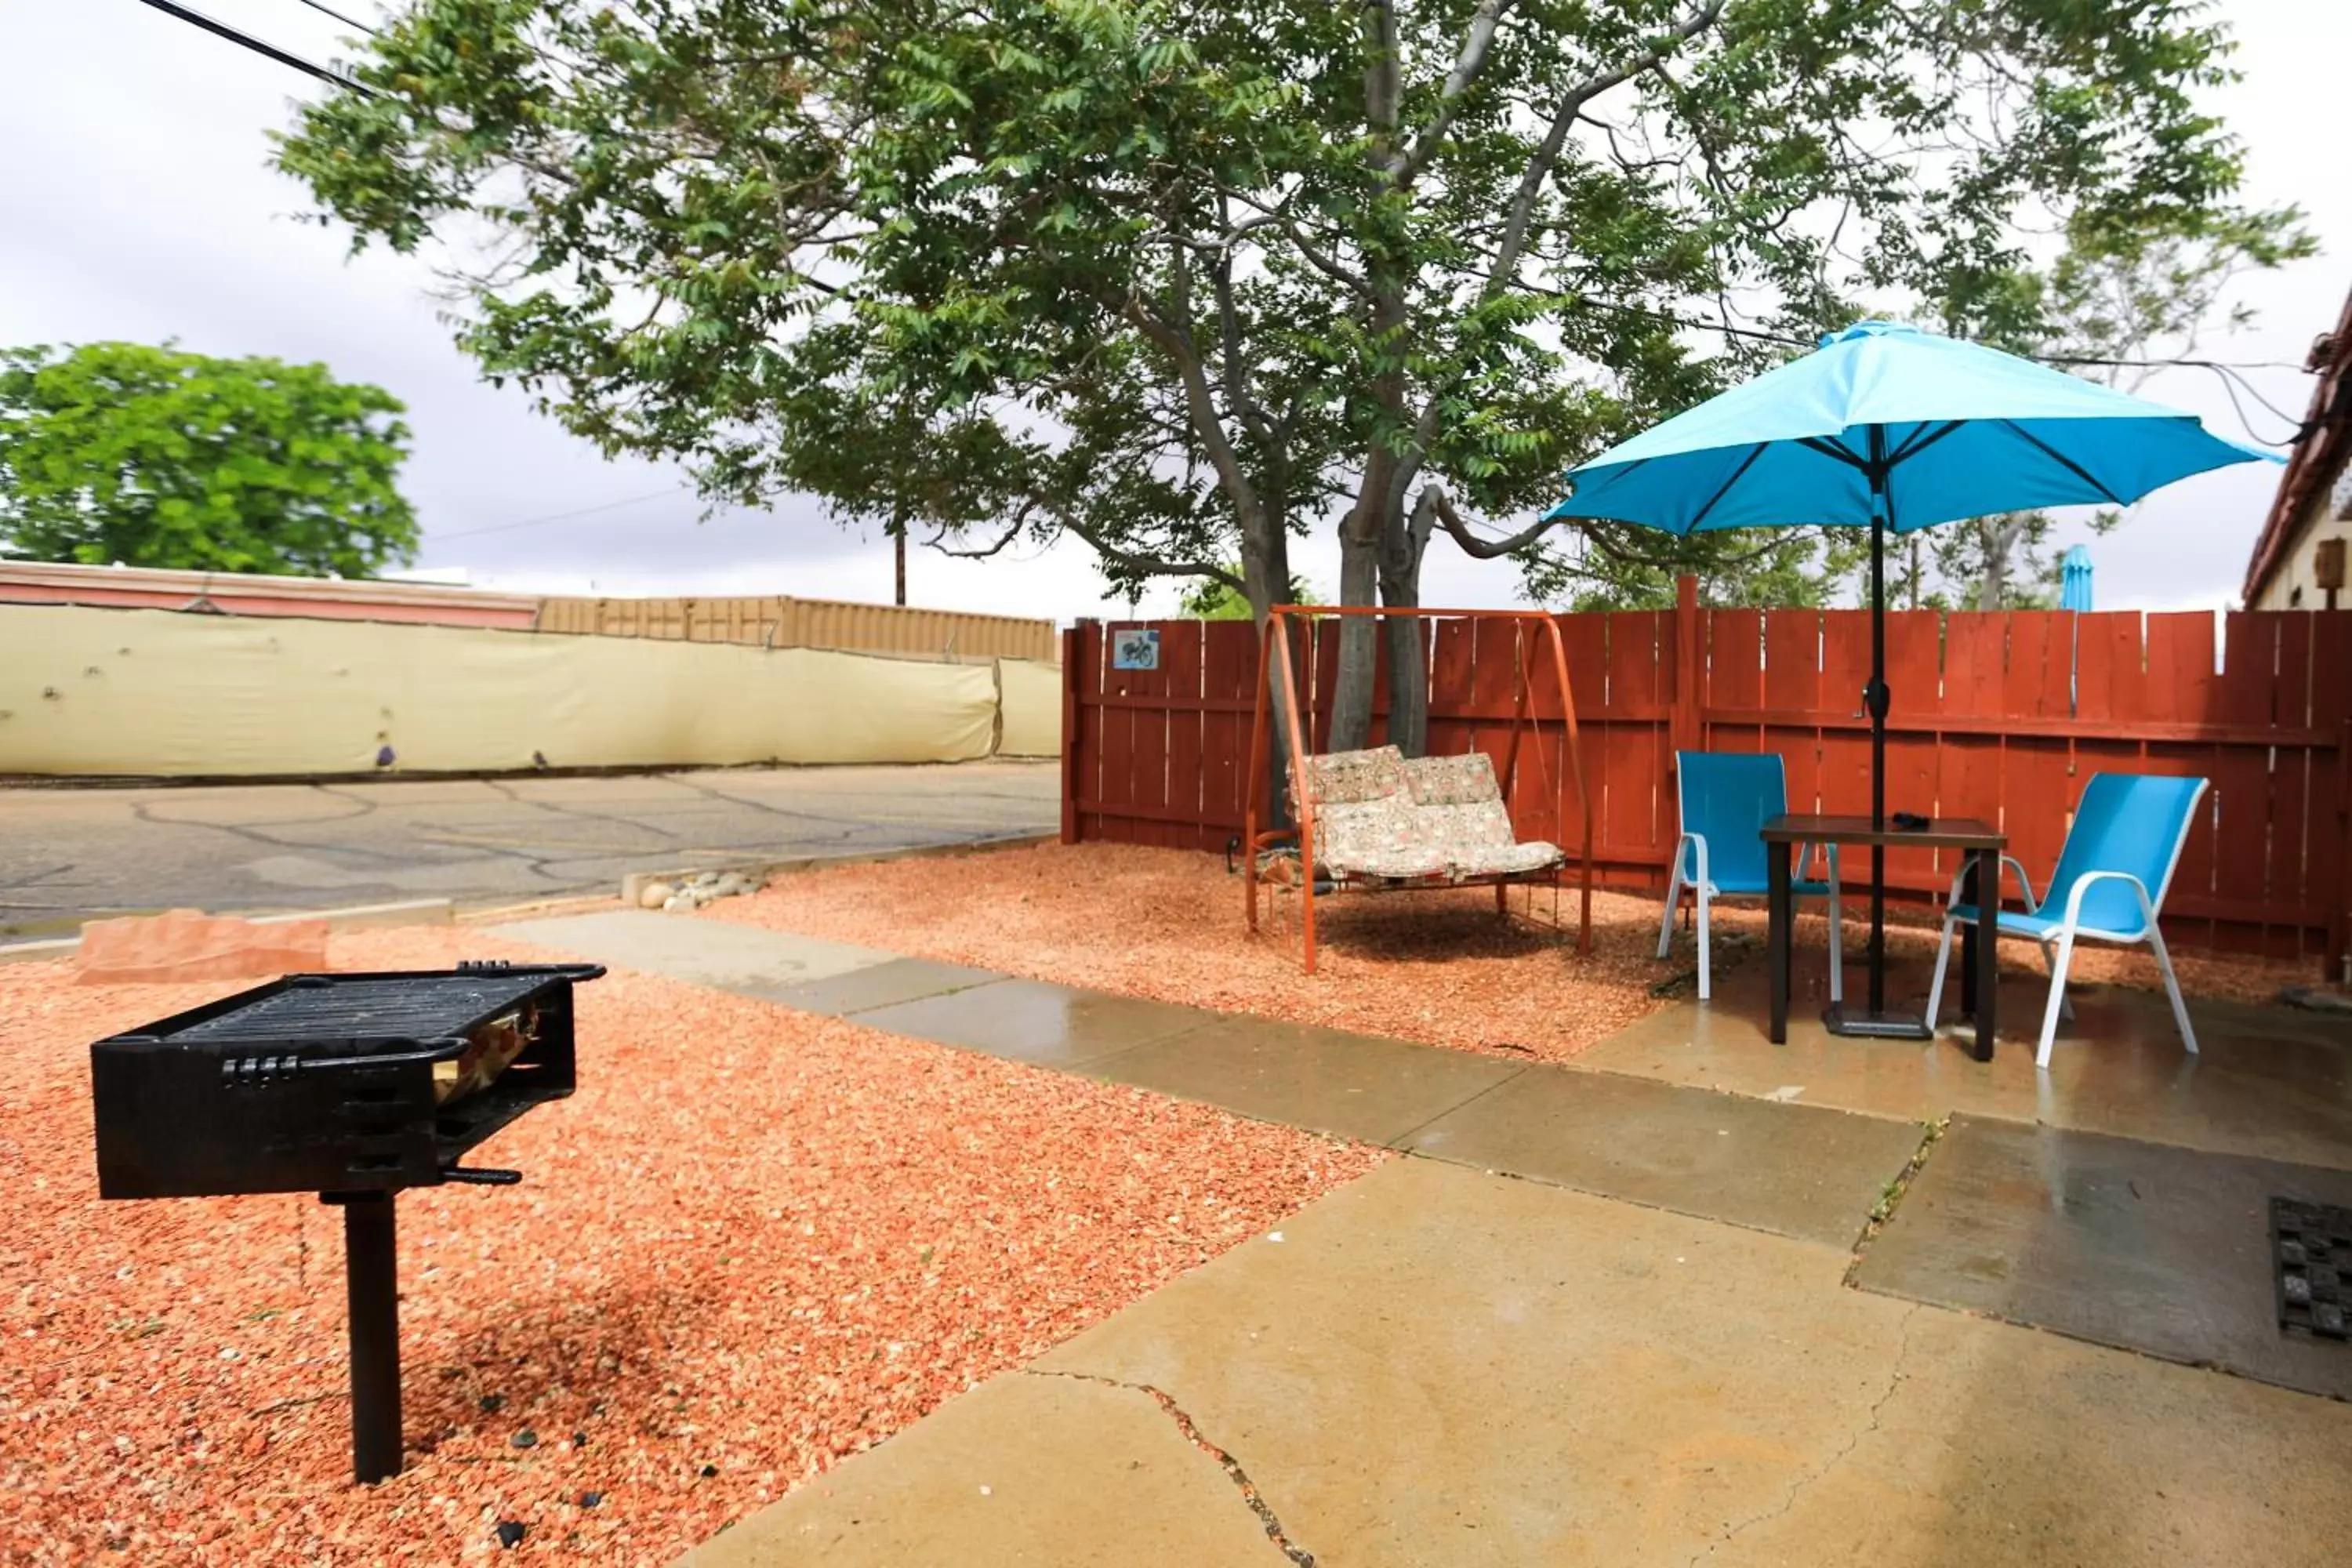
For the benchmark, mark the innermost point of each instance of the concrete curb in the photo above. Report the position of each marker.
(633, 884)
(355, 916)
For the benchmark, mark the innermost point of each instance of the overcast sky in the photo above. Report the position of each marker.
(136, 203)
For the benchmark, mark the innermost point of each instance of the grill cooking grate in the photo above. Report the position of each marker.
(318, 1009)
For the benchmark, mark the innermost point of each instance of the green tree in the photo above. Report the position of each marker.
(1190, 277)
(2122, 297)
(1215, 599)
(154, 457)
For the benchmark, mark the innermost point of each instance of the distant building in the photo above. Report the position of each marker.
(2299, 561)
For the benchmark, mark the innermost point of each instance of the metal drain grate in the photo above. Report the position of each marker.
(2311, 1244)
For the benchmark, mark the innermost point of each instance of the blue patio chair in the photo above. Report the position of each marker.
(2112, 875)
(1723, 798)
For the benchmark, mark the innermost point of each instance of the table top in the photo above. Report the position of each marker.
(1941, 832)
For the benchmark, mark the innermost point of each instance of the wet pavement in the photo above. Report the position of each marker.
(2272, 1082)
(2145, 1246)
(76, 854)
(1632, 1310)
(1436, 1365)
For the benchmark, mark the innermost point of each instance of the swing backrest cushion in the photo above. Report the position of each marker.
(1459, 799)
(1379, 815)
(1364, 820)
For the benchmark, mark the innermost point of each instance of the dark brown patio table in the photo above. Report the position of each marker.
(1980, 841)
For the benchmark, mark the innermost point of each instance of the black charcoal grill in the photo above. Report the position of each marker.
(351, 1086)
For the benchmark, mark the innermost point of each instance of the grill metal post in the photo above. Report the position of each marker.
(371, 1277)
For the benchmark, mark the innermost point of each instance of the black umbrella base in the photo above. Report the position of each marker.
(1840, 1019)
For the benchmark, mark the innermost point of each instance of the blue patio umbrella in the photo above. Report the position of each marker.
(1892, 429)
(2074, 579)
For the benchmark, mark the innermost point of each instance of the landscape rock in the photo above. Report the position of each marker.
(188, 944)
(655, 896)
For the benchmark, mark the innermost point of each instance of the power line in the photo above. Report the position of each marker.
(247, 41)
(338, 15)
(559, 516)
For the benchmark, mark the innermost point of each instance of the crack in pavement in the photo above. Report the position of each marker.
(1299, 1556)
(1895, 1380)
(501, 787)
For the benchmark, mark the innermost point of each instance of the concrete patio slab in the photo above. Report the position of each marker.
(1799, 1171)
(1035, 1022)
(708, 953)
(883, 986)
(2272, 1082)
(1023, 1470)
(2155, 1249)
(1435, 1365)
(1356, 1085)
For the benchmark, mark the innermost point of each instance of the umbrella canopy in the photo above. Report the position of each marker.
(2075, 580)
(1950, 429)
(1888, 427)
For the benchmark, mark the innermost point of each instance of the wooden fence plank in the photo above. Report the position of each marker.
(1229, 656)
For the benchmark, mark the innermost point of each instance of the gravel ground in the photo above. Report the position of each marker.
(1432, 966)
(1167, 923)
(754, 1243)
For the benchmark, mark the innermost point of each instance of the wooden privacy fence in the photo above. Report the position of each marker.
(2003, 716)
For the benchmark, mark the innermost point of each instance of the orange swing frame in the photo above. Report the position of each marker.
(1274, 660)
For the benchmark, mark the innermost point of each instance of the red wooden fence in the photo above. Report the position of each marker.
(2003, 716)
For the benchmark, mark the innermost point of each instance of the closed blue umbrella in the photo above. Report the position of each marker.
(2074, 579)
(1892, 429)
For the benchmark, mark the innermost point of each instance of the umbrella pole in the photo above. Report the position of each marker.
(1874, 698)
(1876, 1022)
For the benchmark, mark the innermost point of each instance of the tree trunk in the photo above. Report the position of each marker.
(1400, 556)
(1266, 578)
(1359, 571)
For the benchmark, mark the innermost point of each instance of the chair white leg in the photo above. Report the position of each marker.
(2172, 988)
(1837, 951)
(1936, 986)
(2050, 962)
(1700, 892)
(1673, 898)
(2057, 998)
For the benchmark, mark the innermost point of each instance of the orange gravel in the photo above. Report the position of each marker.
(754, 1242)
(1167, 924)
(1432, 966)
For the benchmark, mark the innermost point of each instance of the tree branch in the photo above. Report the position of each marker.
(1405, 165)
(1531, 184)
(1200, 402)
(1152, 566)
(1472, 545)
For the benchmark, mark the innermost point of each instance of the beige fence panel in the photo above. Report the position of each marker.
(1029, 707)
(155, 693)
(775, 621)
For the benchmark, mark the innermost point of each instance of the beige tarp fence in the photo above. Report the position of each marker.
(1030, 699)
(158, 693)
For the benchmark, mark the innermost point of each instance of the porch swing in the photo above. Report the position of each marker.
(1376, 821)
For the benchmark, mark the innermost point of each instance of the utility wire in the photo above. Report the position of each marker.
(559, 516)
(338, 15)
(247, 41)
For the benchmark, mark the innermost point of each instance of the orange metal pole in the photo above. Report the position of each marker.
(1252, 786)
(1575, 765)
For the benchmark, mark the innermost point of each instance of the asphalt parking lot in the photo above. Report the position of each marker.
(73, 853)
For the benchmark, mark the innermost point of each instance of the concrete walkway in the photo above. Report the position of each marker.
(1794, 1170)
(1607, 1319)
